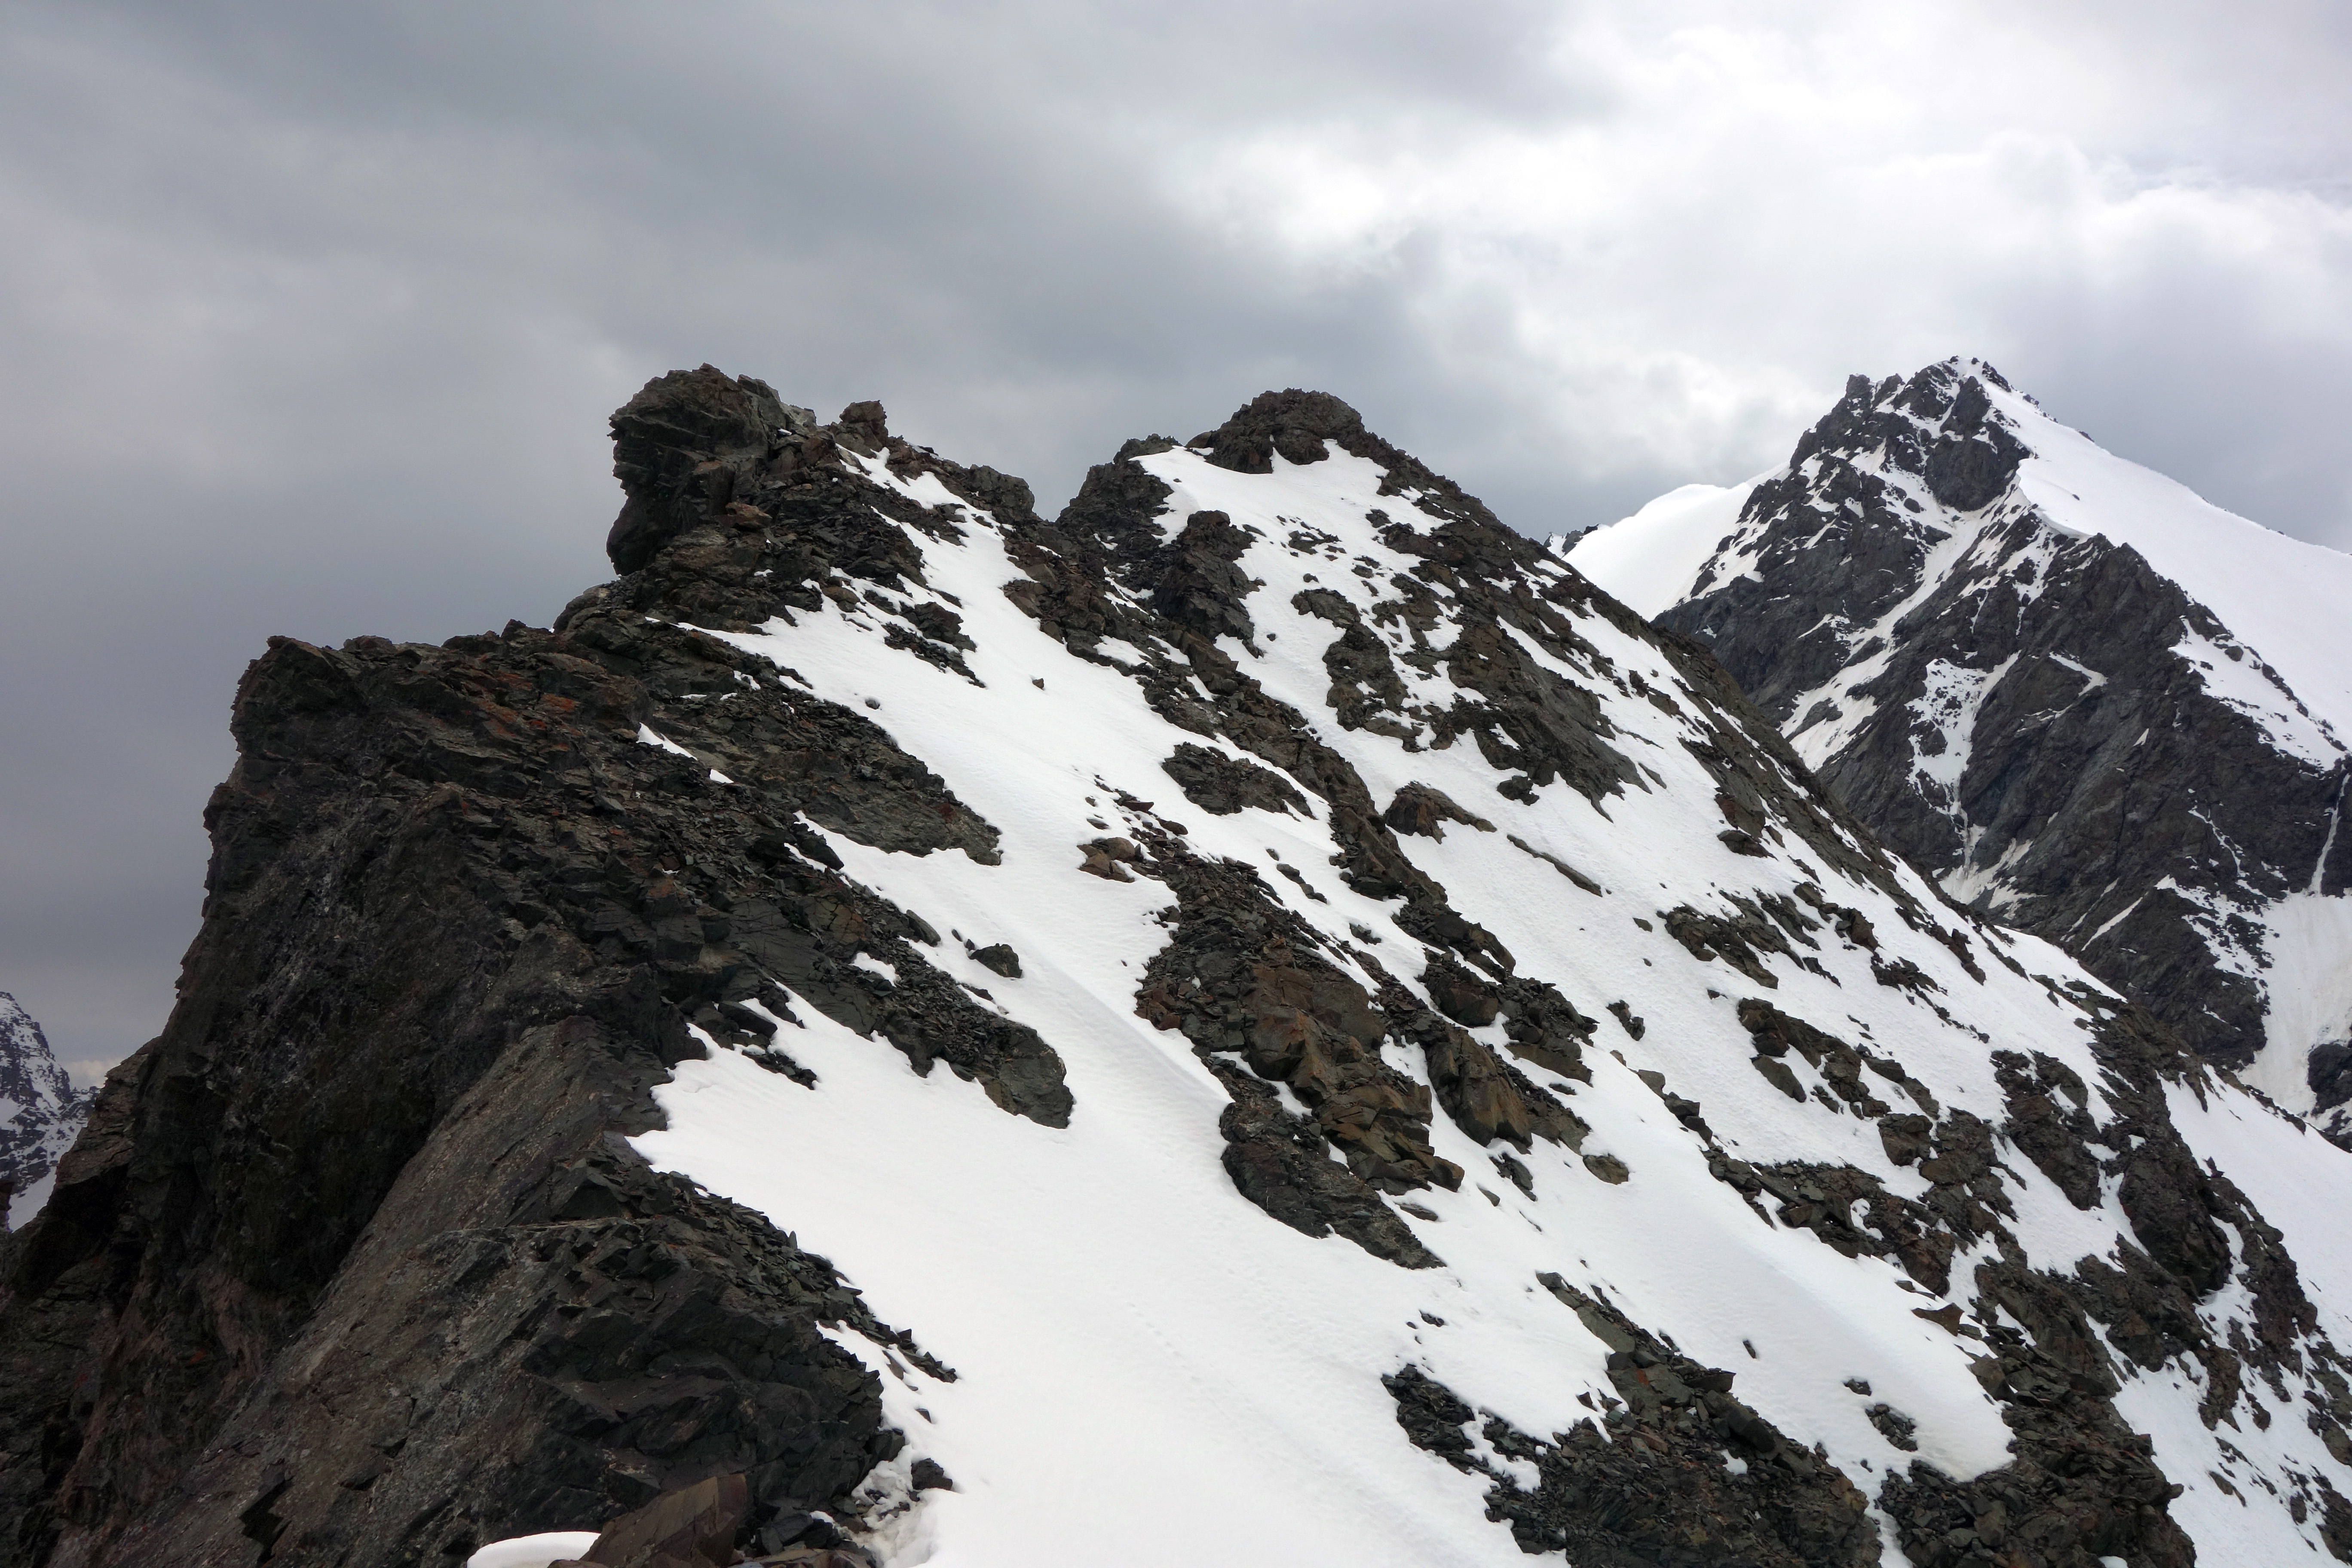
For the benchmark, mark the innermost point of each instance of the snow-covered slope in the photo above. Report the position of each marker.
(1649, 560)
(2082, 697)
(1148, 1367)
(41, 1113)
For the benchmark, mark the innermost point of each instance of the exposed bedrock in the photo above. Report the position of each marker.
(355, 1247)
(1675, 1470)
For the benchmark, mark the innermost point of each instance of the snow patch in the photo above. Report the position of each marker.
(647, 737)
(1948, 709)
(2092, 679)
(533, 1551)
(1651, 559)
(2307, 983)
(23, 1206)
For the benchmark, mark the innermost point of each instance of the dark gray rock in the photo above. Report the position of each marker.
(696, 1525)
(459, 920)
(1279, 1162)
(357, 1201)
(681, 448)
(1241, 976)
(1222, 785)
(1423, 809)
(2330, 1074)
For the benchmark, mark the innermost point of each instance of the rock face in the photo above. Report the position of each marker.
(2082, 700)
(41, 1114)
(551, 1133)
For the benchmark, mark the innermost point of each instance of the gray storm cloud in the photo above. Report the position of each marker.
(309, 317)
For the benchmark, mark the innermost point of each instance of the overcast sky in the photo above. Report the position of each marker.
(311, 315)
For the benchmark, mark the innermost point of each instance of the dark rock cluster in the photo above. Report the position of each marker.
(2083, 1486)
(1675, 1469)
(716, 1523)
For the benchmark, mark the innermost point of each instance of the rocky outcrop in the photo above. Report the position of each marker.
(41, 1114)
(356, 1245)
(1673, 1469)
(2084, 1485)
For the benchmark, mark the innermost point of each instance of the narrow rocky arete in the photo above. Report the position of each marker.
(1260, 1019)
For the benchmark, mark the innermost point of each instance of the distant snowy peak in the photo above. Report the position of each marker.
(1952, 456)
(1964, 458)
(41, 1114)
(2076, 693)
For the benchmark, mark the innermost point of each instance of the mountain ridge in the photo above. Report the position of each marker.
(1512, 1083)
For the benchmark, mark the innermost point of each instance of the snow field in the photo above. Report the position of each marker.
(1656, 554)
(1150, 1365)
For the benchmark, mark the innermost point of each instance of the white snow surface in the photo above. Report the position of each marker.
(1651, 559)
(23, 1206)
(533, 1551)
(2306, 938)
(647, 737)
(2282, 599)
(1151, 1371)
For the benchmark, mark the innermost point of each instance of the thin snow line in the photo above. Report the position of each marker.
(2334, 816)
